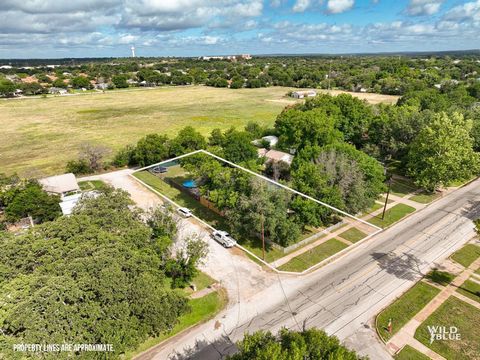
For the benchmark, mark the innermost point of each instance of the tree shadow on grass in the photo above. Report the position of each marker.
(405, 266)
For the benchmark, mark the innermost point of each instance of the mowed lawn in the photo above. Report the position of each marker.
(454, 312)
(404, 308)
(40, 135)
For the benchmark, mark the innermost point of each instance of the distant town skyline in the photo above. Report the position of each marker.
(110, 28)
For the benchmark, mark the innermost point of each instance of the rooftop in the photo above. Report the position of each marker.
(60, 184)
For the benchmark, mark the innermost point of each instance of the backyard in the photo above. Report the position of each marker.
(177, 175)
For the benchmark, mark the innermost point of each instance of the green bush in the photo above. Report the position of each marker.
(78, 167)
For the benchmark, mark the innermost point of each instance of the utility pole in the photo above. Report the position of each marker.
(388, 193)
(263, 238)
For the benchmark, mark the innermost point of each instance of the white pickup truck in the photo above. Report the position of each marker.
(224, 238)
(184, 212)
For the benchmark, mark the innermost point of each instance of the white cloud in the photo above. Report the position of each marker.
(423, 7)
(468, 11)
(170, 27)
(210, 40)
(184, 14)
(127, 39)
(339, 6)
(56, 6)
(301, 5)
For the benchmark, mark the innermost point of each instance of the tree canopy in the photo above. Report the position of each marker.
(309, 344)
(22, 198)
(96, 276)
(443, 152)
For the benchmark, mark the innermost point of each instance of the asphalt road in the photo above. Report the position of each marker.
(344, 296)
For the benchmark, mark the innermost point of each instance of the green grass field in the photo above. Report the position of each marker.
(353, 235)
(454, 312)
(409, 353)
(181, 199)
(470, 289)
(41, 135)
(203, 309)
(405, 308)
(373, 208)
(425, 198)
(392, 215)
(466, 255)
(92, 185)
(201, 281)
(313, 256)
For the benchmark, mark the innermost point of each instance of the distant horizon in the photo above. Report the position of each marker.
(384, 53)
(52, 29)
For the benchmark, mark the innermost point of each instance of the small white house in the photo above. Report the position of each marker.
(57, 91)
(303, 94)
(70, 201)
(62, 185)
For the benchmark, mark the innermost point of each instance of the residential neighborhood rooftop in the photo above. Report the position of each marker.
(60, 184)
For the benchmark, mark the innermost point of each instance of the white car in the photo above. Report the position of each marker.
(224, 238)
(184, 212)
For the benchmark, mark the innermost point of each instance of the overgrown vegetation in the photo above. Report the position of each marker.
(20, 198)
(97, 276)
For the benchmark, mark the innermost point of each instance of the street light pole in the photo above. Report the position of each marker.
(388, 193)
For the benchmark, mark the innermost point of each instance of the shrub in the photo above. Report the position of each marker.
(125, 156)
(78, 167)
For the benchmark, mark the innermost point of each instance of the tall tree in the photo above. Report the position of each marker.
(187, 140)
(443, 152)
(151, 149)
(30, 200)
(238, 147)
(298, 129)
(92, 277)
(264, 211)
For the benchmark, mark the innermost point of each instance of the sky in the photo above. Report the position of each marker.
(109, 28)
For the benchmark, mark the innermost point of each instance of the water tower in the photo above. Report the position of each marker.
(133, 51)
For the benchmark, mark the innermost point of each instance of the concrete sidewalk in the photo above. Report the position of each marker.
(406, 335)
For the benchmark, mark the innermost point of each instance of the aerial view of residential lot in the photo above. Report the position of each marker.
(240, 180)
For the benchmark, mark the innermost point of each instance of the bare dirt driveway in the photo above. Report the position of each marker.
(121, 179)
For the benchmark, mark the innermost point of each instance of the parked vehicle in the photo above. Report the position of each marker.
(224, 238)
(184, 212)
(158, 170)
